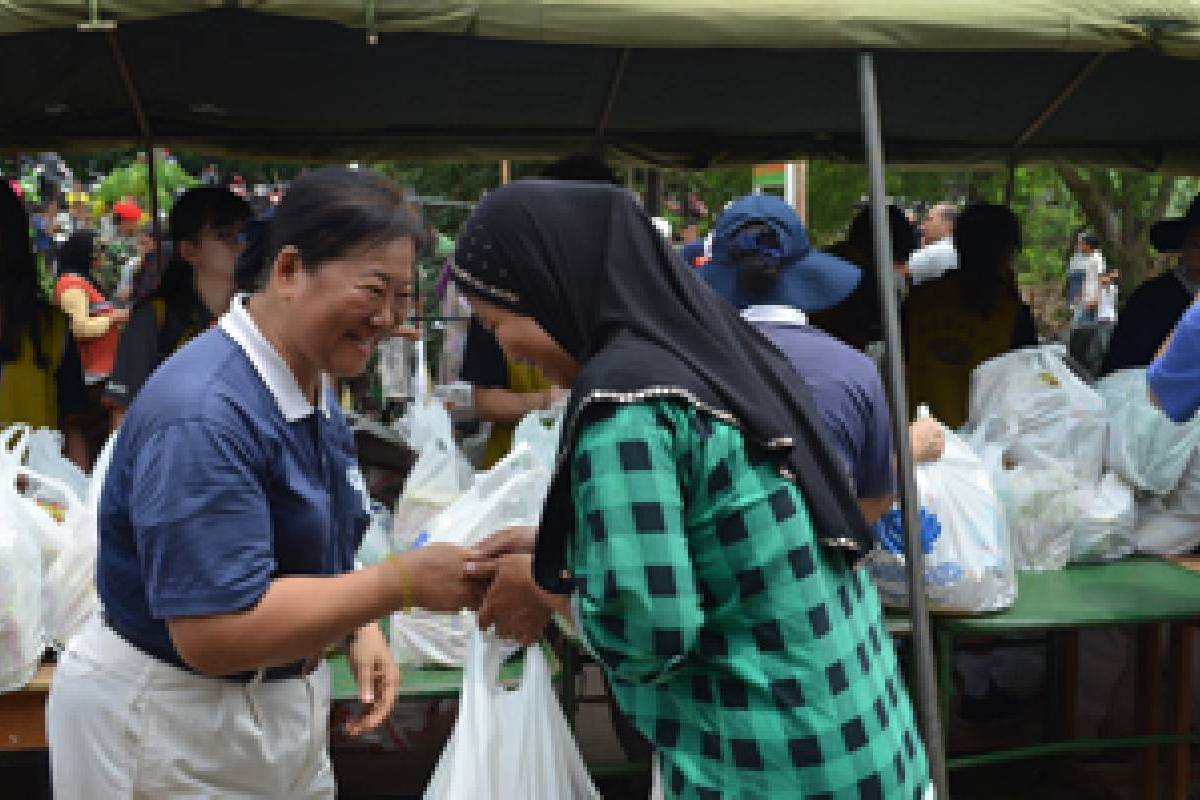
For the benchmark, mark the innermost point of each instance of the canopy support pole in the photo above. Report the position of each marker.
(924, 685)
(1010, 183)
(610, 100)
(139, 111)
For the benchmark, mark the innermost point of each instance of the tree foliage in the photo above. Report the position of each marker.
(132, 180)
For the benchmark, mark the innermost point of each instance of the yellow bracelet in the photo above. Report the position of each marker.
(405, 584)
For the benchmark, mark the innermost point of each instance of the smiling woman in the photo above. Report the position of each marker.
(228, 525)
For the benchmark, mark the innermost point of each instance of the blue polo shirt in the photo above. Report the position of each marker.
(223, 478)
(847, 391)
(1174, 377)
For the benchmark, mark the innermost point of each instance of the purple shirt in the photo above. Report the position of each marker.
(847, 390)
(1175, 376)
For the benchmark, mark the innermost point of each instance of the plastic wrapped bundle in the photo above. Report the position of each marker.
(968, 556)
(1145, 447)
(1041, 412)
(1104, 522)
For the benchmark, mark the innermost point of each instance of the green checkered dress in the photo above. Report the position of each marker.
(755, 660)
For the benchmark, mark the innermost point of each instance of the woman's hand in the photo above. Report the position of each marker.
(436, 577)
(377, 676)
(514, 603)
(928, 440)
(520, 539)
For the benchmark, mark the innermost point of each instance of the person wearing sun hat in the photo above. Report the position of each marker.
(764, 264)
(1156, 306)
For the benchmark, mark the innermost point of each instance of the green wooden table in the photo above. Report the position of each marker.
(1143, 591)
(424, 683)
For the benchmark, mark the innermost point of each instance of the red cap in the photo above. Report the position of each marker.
(127, 210)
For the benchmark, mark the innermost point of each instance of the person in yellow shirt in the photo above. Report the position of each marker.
(41, 378)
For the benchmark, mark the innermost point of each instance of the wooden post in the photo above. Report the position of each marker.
(505, 171)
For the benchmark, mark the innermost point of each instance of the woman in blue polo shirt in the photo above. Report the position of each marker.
(229, 519)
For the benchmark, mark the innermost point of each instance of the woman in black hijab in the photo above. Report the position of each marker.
(701, 524)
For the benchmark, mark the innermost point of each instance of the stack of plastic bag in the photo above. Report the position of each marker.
(510, 494)
(21, 625)
(1044, 415)
(439, 476)
(968, 556)
(509, 744)
(1044, 433)
(1160, 459)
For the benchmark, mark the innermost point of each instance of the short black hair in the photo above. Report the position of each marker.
(1090, 239)
(205, 207)
(330, 212)
(581, 167)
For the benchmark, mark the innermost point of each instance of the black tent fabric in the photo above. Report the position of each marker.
(242, 82)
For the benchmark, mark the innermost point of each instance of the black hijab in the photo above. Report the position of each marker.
(585, 261)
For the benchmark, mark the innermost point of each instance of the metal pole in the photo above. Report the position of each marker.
(924, 686)
(152, 180)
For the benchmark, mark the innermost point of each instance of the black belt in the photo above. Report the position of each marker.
(283, 672)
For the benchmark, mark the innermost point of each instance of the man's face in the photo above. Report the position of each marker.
(936, 225)
(127, 227)
(216, 251)
(1189, 253)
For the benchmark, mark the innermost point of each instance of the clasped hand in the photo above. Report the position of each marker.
(512, 603)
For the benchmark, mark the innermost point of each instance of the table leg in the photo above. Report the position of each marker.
(945, 682)
(1149, 706)
(1181, 713)
(1068, 682)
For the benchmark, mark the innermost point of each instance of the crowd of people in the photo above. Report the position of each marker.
(727, 444)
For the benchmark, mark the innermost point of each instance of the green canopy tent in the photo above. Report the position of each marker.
(663, 81)
(669, 82)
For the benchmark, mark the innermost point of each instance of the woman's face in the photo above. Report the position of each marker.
(523, 340)
(340, 312)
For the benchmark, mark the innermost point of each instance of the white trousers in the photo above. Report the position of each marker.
(123, 725)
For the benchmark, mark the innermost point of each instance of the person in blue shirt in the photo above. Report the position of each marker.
(764, 265)
(1174, 376)
(228, 522)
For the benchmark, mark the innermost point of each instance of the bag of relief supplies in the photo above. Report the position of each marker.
(968, 558)
(509, 743)
(1170, 525)
(22, 640)
(509, 494)
(1145, 447)
(70, 594)
(438, 477)
(1044, 415)
(1105, 516)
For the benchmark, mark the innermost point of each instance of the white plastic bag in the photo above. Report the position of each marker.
(1040, 507)
(1170, 525)
(45, 457)
(509, 494)
(540, 430)
(1145, 447)
(509, 744)
(1104, 522)
(438, 477)
(21, 633)
(1044, 415)
(968, 558)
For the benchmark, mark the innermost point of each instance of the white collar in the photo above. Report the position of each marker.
(775, 314)
(269, 365)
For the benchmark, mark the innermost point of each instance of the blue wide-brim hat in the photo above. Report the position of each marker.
(809, 279)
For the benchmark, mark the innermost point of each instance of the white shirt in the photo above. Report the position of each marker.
(269, 365)
(1106, 311)
(1093, 267)
(774, 315)
(933, 261)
